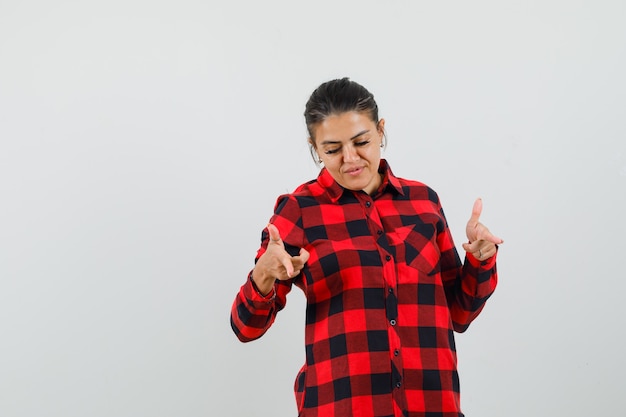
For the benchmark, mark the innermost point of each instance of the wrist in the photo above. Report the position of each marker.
(263, 283)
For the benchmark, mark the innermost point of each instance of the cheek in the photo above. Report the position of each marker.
(332, 165)
(373, 153)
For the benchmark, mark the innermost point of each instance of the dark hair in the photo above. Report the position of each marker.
(335, 97)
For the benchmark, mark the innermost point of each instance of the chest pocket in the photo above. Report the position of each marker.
(416, 246)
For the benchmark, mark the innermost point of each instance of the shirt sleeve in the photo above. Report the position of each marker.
(253, 313)
(468, 285)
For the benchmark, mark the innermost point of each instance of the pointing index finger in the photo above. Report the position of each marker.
(274, 233)
(476, 210)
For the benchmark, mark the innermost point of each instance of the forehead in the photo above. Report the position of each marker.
(343, 126)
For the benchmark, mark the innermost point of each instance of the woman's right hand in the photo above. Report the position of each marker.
(276, 262)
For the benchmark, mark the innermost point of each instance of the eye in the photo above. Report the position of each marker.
(361, 143)
(331, 151)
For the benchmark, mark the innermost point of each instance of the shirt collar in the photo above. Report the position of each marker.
(335, 191)
(389, 180)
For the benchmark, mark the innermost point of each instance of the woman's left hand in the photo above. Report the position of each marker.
(482, 243)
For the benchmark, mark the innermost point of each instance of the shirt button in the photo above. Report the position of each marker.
(390, 290)
(380, 232)
(396, 352)
(388, 257)
(368, 204)
(392, 322)
(398, 384)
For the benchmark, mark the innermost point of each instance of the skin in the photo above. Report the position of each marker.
(349, 145)
(482, 243)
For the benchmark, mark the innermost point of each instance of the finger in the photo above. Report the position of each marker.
(494, 239)
(471, 247)
(485, 234)
(481, 249)
(476, 211)
(299, 261)
(287, 264)
(274, 233)
(476, 245)
(304, 255)
(487, 252)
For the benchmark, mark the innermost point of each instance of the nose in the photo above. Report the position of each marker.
(350, 153)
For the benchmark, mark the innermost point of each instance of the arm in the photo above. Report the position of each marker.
(265, 292)
(475, 284)
(252, 313)
(469, 285)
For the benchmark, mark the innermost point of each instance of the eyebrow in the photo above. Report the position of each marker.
(329, 142)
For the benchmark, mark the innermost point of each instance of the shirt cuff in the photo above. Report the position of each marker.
(254, 296)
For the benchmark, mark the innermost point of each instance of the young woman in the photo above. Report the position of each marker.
(384, 283)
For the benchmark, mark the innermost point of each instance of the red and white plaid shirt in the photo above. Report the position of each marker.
(385, 291)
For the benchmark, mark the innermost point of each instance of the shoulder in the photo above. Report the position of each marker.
(417, 190)
(303, 193)
(307, 194)
(410, 189)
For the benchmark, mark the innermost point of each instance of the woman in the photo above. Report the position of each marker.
(384, 284)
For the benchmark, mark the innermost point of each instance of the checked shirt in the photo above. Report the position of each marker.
(385, 291)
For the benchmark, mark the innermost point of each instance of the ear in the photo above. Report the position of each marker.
(313, 149)
(312, 145)
(380, 127)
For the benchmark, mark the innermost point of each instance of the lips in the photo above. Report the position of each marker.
(354, 171)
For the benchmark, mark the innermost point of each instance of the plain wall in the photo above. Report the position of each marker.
(143, 145)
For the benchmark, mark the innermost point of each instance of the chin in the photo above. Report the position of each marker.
(356, 186)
